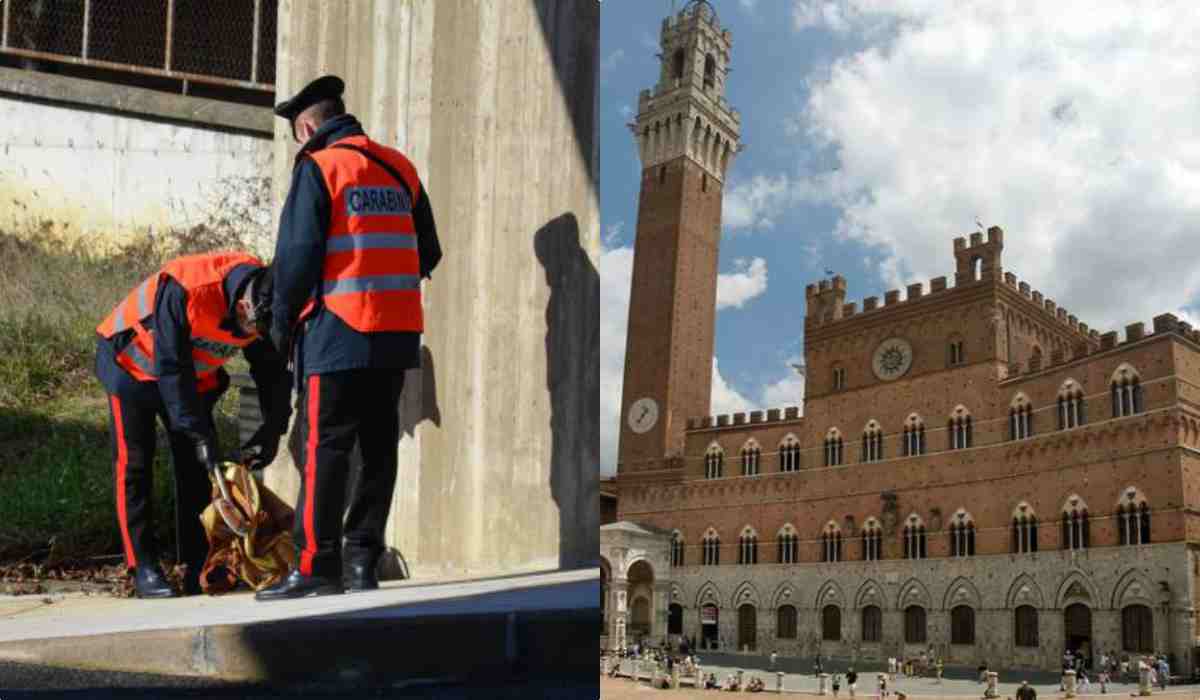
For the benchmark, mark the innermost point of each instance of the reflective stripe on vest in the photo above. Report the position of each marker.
(371, 273)
(143, 307)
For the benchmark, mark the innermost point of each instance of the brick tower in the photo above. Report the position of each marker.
(687, 135)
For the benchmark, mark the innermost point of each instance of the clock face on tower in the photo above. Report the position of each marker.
(892, 359)
(643, 414)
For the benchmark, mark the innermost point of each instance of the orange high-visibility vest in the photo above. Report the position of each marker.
(202, 277)
(371, 277)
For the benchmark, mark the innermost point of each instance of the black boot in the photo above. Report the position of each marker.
(297, 585)
(150, 582)
(358, 573)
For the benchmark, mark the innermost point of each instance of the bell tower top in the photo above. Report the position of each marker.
(686, 113)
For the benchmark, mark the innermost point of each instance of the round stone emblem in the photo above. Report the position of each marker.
(892, 359)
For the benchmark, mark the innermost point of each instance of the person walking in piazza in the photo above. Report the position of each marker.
(851, 681)
(1164, 672)
(939, 667)
(356, 237)
(159, 354)
(837, 683)
(1026, 692)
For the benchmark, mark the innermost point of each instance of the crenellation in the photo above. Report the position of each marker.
(1094, 334)
(960, 243)
(937, 284)
(976, 239)
(1185, 328)
(891, 296)
(1010, 279)
(849, 309)
(1108, 341)
(870, 304)
(1073, 322)
(1050, 306)
(1023, 288)
(791, 412)
(1083, 328)
(739, 418)
(772, 415)
(1134, 332)
(995, 234)
(756, 416)
(1061, 314)
(914, 291)
(810, 291)
(722, 420)
(707, 422)
(1165, 323)
(1037, 297)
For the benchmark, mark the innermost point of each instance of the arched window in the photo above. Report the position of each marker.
(712, 548)
(748, 546)
(914, 537)
(914, 436)
(962, 625)
(954, 351)
(1133, 518)
(872, 443)
(789, 547)
(1126, 392)
(714, 462)
(1137, 629)
(677, 64)
(1071, 406)
(839, 378)
(750, 455)
(831, 543)
(1020, 418)
(677, 548)
(675, 619)
(789, 454)
(914, 625)
(962, 535)
(785, 622)
(833, 447)
(1026, 621)
(831, 623)
(976, 268)
(872, 538)
(1024, 530)
(959, 429)
(710, 71)
(872, 624)
(1075, 530)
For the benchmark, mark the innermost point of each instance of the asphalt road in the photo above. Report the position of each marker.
(27, 682)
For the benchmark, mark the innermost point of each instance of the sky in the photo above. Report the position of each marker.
(877, 131)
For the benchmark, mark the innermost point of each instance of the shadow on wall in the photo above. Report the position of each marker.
(575, 64)
(393, 565)
(573, 379)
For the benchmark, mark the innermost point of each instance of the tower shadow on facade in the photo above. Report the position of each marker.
(573, 380)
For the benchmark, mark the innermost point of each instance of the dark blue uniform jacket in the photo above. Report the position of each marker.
(325, 343)
(173, 359)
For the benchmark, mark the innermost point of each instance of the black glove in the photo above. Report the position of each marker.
(261, 448)
(206, 450)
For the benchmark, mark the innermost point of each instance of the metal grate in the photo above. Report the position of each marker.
(219, 42)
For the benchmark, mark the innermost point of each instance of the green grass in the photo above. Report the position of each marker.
(55, 457)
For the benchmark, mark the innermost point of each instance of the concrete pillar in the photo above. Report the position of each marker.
(822, 683)
(675, 677)
(495, 104)
(779, 681)
(1069, 683)
(660, 609)
(992, 679)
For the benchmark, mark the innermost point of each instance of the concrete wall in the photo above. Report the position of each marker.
(107, 160)
(494, 101)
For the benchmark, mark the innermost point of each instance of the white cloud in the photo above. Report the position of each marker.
(759, 201)
(726, 399)
(748, 281)
(626, 112)
(1037, 117)
(748, 5)
(788, 391)
(616, 274)
(610, 63)
(612, 234)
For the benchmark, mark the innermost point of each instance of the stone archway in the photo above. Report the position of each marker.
(747, 627)
(1077, 628)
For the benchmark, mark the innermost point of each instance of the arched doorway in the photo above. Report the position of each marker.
(639, 622)
(641, 597)
(1077, 629)
(747, 626)
(709, 627)
(675, 619)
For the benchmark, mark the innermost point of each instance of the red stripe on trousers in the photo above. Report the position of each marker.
(122, 463)
(310, 475)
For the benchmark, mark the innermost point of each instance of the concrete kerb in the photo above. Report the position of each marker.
(511, 628)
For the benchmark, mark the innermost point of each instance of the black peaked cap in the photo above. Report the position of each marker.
(324, 88)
